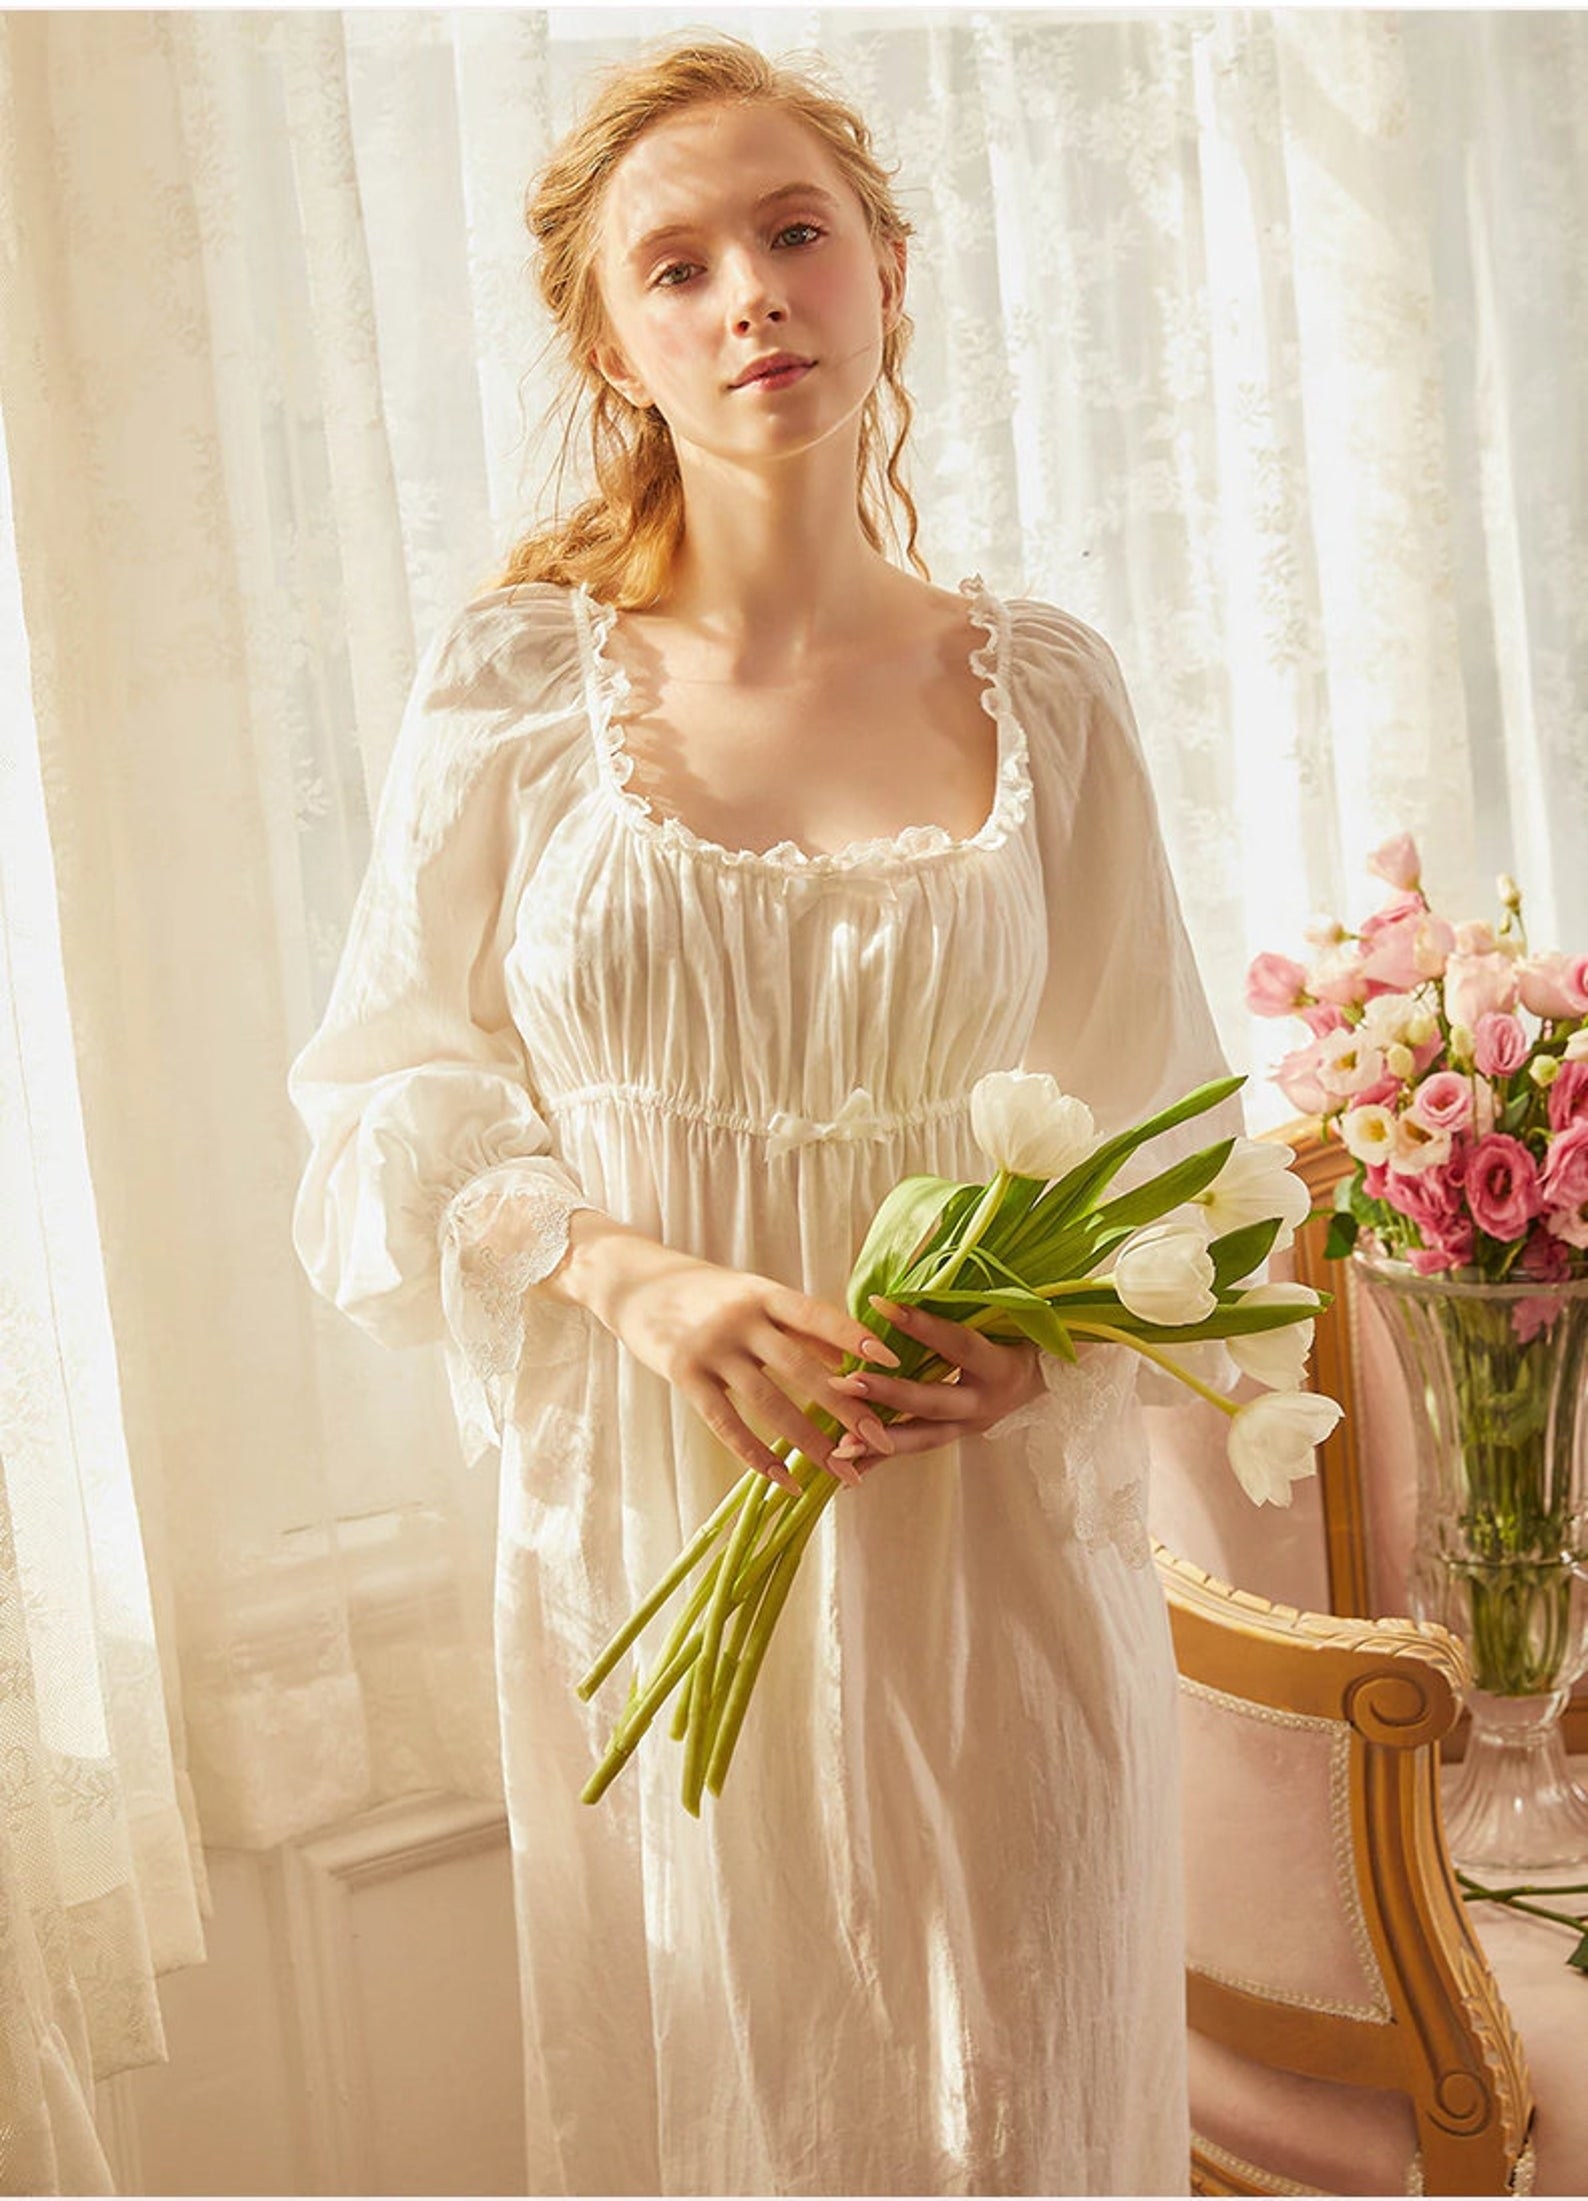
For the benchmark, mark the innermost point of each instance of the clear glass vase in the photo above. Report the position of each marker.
(1500, 1375)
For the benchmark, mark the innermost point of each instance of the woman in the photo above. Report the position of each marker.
(718, 858)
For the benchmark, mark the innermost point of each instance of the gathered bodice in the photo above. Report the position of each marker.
(785, 997)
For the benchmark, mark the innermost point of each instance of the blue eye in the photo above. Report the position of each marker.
(661, 282)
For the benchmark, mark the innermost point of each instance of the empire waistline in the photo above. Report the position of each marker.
(859, 1117)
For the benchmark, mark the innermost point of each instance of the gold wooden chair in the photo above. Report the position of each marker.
(1354, 2025)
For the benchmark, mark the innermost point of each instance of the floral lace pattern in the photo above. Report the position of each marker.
(501, 1234)
(1077, 1408)
(610, 688)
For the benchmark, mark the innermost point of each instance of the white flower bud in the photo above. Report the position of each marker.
(1277, 1358)
(1272, 1438)
(1165, 1274)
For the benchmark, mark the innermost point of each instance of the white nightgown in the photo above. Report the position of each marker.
(930, 1938)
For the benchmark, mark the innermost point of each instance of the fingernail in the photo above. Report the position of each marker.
(853, 1384)
(875, 1434)
(899, 1315)
(878, 1350)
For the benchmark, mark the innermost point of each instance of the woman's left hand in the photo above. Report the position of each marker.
(994, 1378)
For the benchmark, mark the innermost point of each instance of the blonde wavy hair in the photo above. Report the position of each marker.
(622, 541)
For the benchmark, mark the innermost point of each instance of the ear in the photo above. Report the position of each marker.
(609, 362)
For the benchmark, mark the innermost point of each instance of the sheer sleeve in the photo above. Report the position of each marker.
(1123, 1021)
(432, 1199)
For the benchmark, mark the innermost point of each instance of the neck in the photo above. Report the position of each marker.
(773, 569)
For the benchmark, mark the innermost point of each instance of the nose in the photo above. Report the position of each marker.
(758, 299)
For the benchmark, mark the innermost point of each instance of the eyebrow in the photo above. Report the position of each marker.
(655, 237)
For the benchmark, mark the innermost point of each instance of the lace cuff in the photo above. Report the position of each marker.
(501, 1234)
(1079, 1441)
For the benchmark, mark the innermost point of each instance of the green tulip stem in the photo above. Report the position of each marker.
(681, 1715)
(1112, 1336)
(986, 1209)
(697, 1740)
(624, 1742)
(755, 1647)
(688, 1559)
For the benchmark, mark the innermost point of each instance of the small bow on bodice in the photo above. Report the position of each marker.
(858, 1118)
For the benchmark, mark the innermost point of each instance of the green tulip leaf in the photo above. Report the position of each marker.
(1147, 1202)
(1238, 1252)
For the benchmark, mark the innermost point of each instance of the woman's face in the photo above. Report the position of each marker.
(766, 250)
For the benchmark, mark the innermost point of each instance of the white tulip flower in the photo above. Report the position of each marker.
(1277, 1358)
(1027, 1124)
(1272, 1440)
(1256, 1183)
(1165, 1273)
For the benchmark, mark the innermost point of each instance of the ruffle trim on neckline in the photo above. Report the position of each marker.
(611, 689)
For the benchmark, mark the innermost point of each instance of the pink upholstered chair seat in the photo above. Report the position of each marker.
(1343, 2139)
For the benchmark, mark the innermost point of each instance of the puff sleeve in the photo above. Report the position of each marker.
(432, 1198)
(1122, 1020)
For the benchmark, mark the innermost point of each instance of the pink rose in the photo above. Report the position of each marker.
(1502, 1186)
(1569, 1224)
(1374, 1179)
(1274, 985)
(1381, 1095)
(1448, 1249)
(1392, 914)
(1430, 1198)
(1555, 986)
(1475, 985)
(1297, 1079)
(1565, 1179)
(1568, 1096)
(1396, 861)
(1443, 1102)
(1499, 1044)
(1403, 944)
(1389, 961)
(1544, 1257)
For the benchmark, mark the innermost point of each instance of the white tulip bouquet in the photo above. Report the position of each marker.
(1039, 1252)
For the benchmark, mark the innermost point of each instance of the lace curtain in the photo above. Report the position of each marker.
(1251, 337)
(102, 1879)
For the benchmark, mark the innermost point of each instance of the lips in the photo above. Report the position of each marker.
(784, 365)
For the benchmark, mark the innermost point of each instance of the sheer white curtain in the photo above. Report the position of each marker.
(1254, 338)
(102, 1878)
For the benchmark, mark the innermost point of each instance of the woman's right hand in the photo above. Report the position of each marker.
(737, 1343)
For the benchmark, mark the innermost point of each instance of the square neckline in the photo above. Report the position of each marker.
(608, 687)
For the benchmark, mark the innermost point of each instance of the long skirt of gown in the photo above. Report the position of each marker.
(930, 1938)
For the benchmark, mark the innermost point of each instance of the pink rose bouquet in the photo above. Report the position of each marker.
(1452, 1062)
